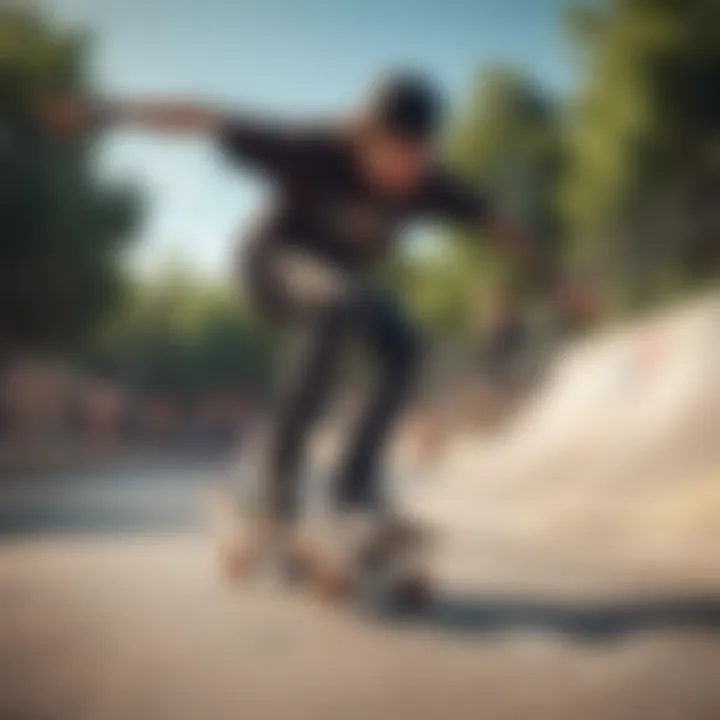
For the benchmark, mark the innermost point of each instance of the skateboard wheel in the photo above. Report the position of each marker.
(295, 567)
(413, 592)
(331, 584)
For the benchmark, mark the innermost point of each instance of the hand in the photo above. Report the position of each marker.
(577, 301)
(65, 114)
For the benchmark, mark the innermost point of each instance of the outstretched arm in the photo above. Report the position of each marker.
(67, 114)
(453, 200)
(264, 145)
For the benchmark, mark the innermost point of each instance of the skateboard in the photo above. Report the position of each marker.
(378, 567)
(381, 569)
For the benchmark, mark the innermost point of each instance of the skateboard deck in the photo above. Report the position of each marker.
(373, 565)
(382, 569)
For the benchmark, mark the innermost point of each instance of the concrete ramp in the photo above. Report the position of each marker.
(624, 416)
(634, 380)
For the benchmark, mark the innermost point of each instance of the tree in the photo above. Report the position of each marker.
(62, 228)
(183, 337)
(509, 139)
(643, 177)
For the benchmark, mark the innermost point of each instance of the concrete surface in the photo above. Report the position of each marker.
(142, 627)
(578, 574)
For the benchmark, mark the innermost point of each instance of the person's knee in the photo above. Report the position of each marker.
(400, 351)
(396, 339)
(405, 350)
(344, 313)
(369, 313)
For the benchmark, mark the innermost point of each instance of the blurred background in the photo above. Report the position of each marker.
(572, 468)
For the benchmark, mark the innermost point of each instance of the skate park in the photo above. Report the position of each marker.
(494, 225)
(578, 553)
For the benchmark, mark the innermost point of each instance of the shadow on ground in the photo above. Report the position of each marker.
(473, 615)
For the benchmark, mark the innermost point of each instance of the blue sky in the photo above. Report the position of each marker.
(295, 57)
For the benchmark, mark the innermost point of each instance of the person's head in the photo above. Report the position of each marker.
(400, 126)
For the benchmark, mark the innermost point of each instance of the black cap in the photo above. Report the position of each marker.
(409, 106)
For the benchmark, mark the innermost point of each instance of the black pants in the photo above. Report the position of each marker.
(352, 312)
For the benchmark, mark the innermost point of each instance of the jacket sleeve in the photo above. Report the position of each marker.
(447, 198)
(270, 148)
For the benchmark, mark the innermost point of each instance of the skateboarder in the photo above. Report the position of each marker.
(342, 191)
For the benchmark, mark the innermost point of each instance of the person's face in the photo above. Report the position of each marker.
(395, 166)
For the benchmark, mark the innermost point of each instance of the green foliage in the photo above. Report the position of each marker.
(509, 139)
(182, 337)
(62, 228)
(643, 143)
